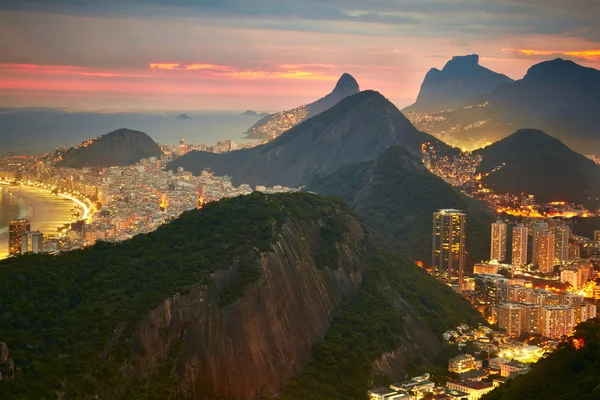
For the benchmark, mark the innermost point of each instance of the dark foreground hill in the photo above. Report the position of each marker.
(117, 148)
(570, 373)
(226, 302)
(530, 161)
(460, 83)
(397, 195)
(358, 128)
(273, 125)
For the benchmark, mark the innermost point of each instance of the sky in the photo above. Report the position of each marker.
(268, 55)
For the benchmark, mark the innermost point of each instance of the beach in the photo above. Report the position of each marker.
(46, 211)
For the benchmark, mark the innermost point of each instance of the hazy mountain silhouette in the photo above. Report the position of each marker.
(461, 82)
(273, 125)
(120, 147)
(533, 162)
(358, 128)
(559, 97)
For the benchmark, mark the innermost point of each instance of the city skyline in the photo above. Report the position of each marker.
(147, 55)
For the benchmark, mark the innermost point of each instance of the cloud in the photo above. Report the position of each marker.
(589, 55)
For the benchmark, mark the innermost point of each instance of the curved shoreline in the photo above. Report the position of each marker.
(46, 211)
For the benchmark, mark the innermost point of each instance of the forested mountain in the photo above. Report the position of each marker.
(530, 161)
(397, 196)
(224, 302)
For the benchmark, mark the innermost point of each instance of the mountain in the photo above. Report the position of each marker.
(274, 125)
(396, 195)
(460, 83)
(229, 301)
(184, 116)
(250, 113)
(358, 128)
(120, 147)
(559, 97)
(571, 372)
(530, 161)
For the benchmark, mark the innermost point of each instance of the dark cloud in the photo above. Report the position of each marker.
(462, 18)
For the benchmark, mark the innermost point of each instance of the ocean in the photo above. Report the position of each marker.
(46, 211)
(27, 131)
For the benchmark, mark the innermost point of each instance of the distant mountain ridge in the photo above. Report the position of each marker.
(558, 96)
(117, 148)
(275, 124)
(531, 161)
(252, 113)
(358, 128)
(461, 82)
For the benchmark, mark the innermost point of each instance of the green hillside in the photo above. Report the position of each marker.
(397, 195)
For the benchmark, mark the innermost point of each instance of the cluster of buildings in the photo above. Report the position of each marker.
(223, 146)
(123, 201)
(513, 302)
(496, 357)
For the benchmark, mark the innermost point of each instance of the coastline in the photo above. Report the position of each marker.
(46, 211)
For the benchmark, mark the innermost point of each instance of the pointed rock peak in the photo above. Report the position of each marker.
(347, 83)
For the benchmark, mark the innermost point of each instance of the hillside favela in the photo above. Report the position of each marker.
(300, 200)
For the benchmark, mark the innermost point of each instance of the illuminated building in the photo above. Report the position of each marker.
(475, 390)
(37, 242)
(596, 236)
(557, 321)
(561, 244)
(461, 363)
(519, 245)
(545, 252)
(16, 229)
(32, 242)
(491, 289)
(485, 269)
(509, 318)
(570, 276)
(498, 245)
(574, 252)
(519, 294)
(537, 229)
(448, 245)
(531, 318)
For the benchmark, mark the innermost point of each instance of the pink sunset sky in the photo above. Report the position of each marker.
(268, 55)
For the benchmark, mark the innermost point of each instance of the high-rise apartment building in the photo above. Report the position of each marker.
(498, 245)
(16, 228)
(448, 245)
(531, 318)
(596, 236)
(545, 251)
(32, 242)
(538, 227)
(519, 245)
(557, 321)
(561, 243)
(509, 318)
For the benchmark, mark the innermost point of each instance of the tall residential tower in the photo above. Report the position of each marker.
(519, 245)
(498, 245)
(448, 245)
(16, 229)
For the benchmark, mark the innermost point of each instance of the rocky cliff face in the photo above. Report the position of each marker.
(253, 345)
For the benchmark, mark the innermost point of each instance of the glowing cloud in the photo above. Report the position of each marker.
(592, 55)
